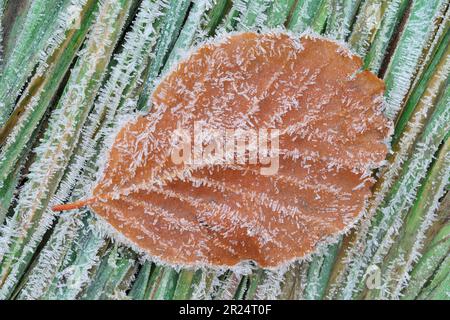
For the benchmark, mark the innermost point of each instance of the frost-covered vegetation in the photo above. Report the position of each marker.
(71, 71)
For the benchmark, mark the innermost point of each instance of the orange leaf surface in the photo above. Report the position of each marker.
(332, 133)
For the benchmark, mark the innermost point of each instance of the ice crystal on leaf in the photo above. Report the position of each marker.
(332, 134)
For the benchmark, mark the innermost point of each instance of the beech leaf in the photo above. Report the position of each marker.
(325, 133)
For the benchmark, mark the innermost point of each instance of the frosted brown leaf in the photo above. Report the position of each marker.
(333, 133)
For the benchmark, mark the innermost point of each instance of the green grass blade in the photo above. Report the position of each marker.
(2, 36)
(31, 219)
(216, 15)
(7, 191)
(115, 94)
(120, 279)
(397, 203)
(173, 19)
(342, 15)
(319, 23)
(254, 281)
(241, 289)
(77, 268)
(414, 39)
(255, 15)
(42, 21)
(38, 95)
(294, 281)
(440, 285)
(303, 14)
(163, 282)
(227, 286)
(403, 149)
(433, 257)
(110, 275)
(383, 37)
(366, 24)
(397, 264)
(139, 287)
(185, 284)
(188, 32)
(279, 12)
(438, 67)
(15, 13)
(319, 272)
(233, 17)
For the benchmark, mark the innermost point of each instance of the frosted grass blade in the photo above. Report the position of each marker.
(41, 22)
(279, 12)
(114, 97)
(173, 19)
(255, 15)
(435, 253)
(406, 250)
(26, 228)
(39, 93)
(383, 37)
(366, 24)
(303, 14)
(415, 37)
